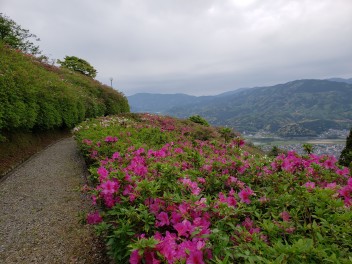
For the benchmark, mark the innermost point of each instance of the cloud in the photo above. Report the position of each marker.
(195, 46)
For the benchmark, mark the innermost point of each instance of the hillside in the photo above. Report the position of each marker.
(170, 191)
(160, 103)
(37, 96)
(307, 106)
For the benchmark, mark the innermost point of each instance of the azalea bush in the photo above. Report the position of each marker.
(165, 195)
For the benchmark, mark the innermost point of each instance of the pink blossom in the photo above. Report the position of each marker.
(195, 257)
(201, 180)
(150, 258)
(135, 258)
(247, 223)
(128, 189)
(109, 187)
(184, 228)
(310, 185)
(290, 230)
(94, 218)
(345, 191)
(116, 155)
(87, 142)
(245, 194)
(110, 139)
(349, 182)
(330, 163)
(163, 219)
(175, 218)
(109, 200)
(94, 200)
(167, 247)
(103, 173)
(343, 172)
(285, 216)
(331, 186)
(178, 151)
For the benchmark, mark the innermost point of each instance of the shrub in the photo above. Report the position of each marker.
(199, 120)
(163, 196)
(35, 95)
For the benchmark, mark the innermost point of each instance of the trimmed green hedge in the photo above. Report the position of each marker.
(35, 95)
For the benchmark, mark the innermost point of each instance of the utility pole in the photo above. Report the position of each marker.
(111, 81)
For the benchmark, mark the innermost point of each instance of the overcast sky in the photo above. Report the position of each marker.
(198, 47)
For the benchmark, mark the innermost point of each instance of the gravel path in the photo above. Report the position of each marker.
(39, 208)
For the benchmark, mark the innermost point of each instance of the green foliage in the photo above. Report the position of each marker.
(35, 95)
(164, 177)
(308, 148)
(275, 151)
(17, 37)
(79, 65)
(199, 120)
(227, 133)
(346, 154)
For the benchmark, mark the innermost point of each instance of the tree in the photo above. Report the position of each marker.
(274, 152)
(308, 148)
(346, 154)
(199, 120)
(78, 65)
(17, 37)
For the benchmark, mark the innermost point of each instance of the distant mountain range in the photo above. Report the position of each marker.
(297, 108)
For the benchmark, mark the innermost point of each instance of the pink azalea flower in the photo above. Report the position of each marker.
(343, 172)
(348, 201)
(195, 257)
(247, 223)
(109, 187)
(116, 155)
(310, 185)
(330, 163)
(150, 258)
(167, 247)
(175, 218)
(345, 191)
(245, 194)
(135, 258)
(285, 216)
(163, 219)
(94, 218)
(349, 182)
(110, 139)
(184, 228)
(87, 142)
(331, 186)
(103, 173)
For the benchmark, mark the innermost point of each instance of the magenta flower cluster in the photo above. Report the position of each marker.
(194, 189)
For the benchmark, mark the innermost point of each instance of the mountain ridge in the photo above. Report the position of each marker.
(313, 105)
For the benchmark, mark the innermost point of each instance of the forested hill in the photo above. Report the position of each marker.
(302, 107)
(37, 96)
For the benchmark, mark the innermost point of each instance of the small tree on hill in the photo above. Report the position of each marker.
(308, 148)
(199, 120)
(78, 65)
(17, 37)
(346, 154)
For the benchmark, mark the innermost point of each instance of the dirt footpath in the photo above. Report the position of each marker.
(39, 210)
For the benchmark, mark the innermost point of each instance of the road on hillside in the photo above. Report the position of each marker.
(39, 208)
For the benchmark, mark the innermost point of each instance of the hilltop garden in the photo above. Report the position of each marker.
(174, 191)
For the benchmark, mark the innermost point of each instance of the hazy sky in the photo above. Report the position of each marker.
(198, 47)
